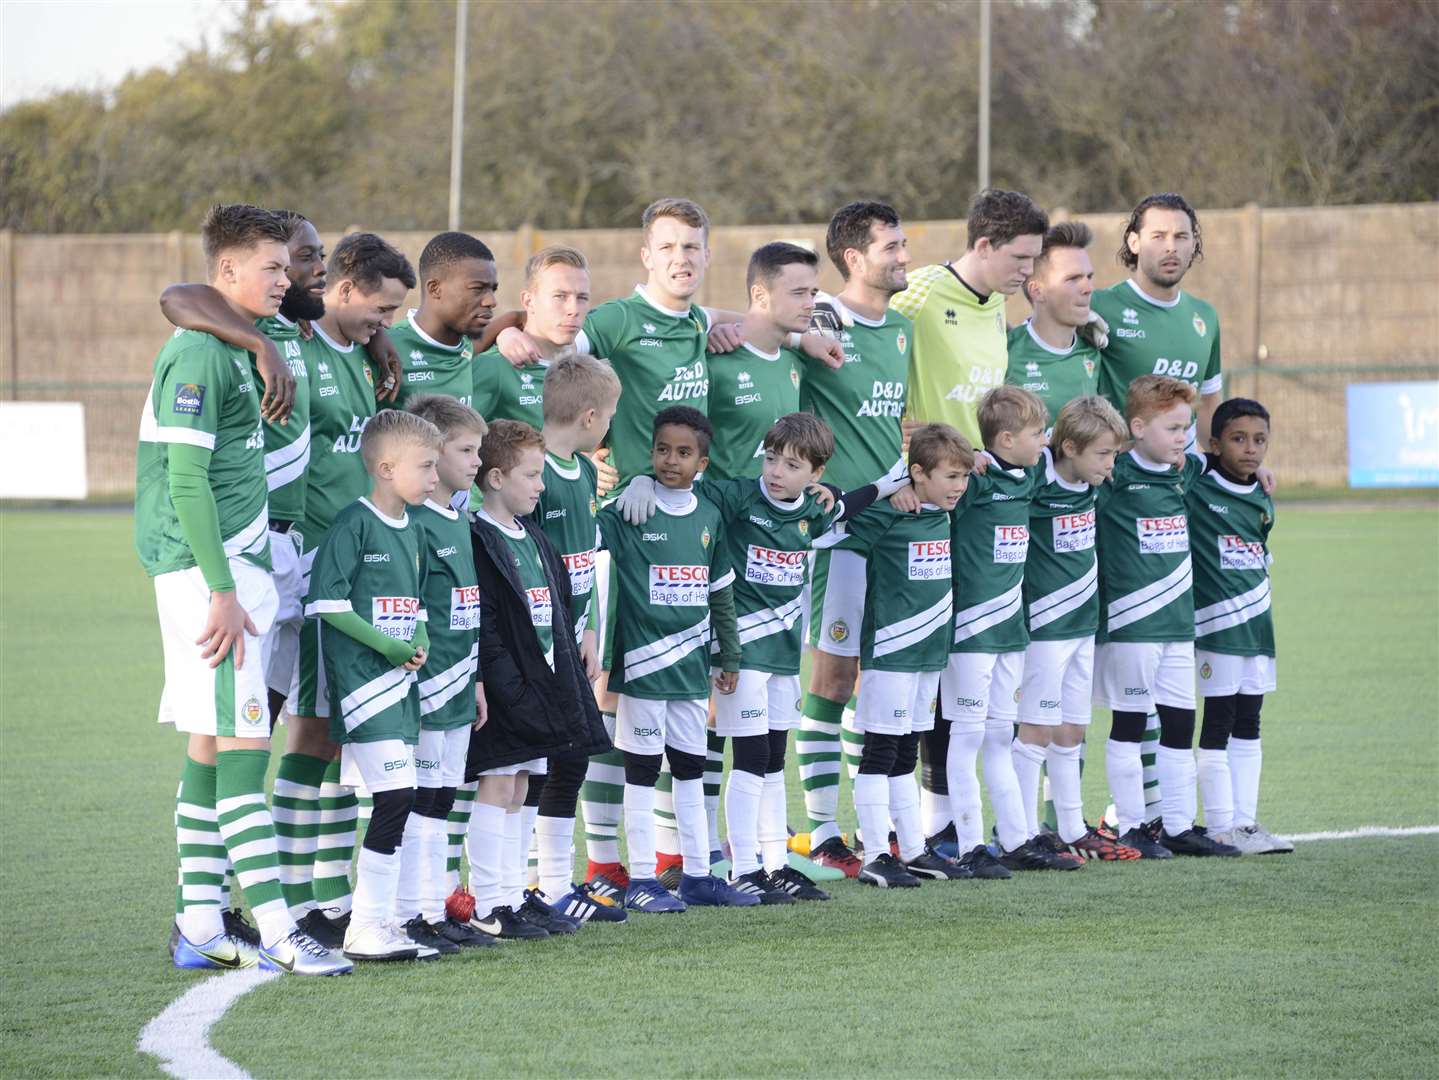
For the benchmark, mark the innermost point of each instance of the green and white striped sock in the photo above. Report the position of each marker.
(296, 809)
(817, 752)
(602, 802)
(202, 854)
(1149, 747)
(713, 781)
(249, 833)
(458, 824)
(335, 848)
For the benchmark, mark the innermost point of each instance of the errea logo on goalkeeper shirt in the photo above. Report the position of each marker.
(680, 586)
(928, 560)
(1011, 543)
(1163, 535)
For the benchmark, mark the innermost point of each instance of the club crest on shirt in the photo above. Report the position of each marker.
(804, 528)
(1199, 327)
(705, 538)
(794, 377)
(1089, 367)
(900, 341)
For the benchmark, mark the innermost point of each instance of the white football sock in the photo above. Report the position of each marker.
(1245, 760)
(933, 811)
(773, 833)
(377, 880)
(640, 830)
(743, 793)
(1028, 759)
(904, 809)
(485, 846)
(1178, 800)
(1217, 789)
(871, 806)
(690, 820)
(530, 869)
(1126, 783)
(1002, 784)
(1064, 789)
(556, 839)
(512, 862)
(965, 739)
(412, 870)
(434, 882)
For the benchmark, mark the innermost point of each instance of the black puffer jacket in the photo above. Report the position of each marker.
(534, 712)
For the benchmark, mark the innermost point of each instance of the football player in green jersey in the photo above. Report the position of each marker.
(580, 398)
(862, 401)
(1154, 327)
(1145, 653)
(655, 339)
(366, 280)
(457, 298)
(451, 699)
(958, 309)
(201, 533)
(758, 383)
(1230, 519)
(1047, 354)
(903, 645)
(1061, 606)
(555, 299)
(366, 591)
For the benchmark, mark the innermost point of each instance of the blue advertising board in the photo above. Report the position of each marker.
(1393, 434)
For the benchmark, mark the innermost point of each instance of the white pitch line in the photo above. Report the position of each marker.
(1366, 831)
(179, 1036)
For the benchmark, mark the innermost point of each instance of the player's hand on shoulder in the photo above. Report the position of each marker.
(724, 338)
(637, 502)
(980, 466)
(518, 347)
(1096, 331)
(225, 627)
(905, 500)
(607, 476)
(823, 495)
(1267, 480)
(279, 396)
(907, 428)
(820, 347)
(726, 681)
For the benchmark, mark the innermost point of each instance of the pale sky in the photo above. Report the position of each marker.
(92, 44)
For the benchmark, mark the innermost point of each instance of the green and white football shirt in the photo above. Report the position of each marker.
(864, 400)
(451, 598)
(342, 400)
(287, 446)
(566, 512)
(1178, 337)
(659, 356)
(749, 391)
(991, 544)
(505, 392)
(766, 542)
(1229, 525)
(908, 596)
(1061, 573)
(530, 570)
(202, 394)
(1146, 580)
(664, 573)
(430, 366)
(371, 564)
(1055, 376)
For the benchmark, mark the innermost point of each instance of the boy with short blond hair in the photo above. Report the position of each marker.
(980, 688)
(447, 682)
(903, 644)
(1061, 609)
(1145, 653)
(365, 590)
(581, 394)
